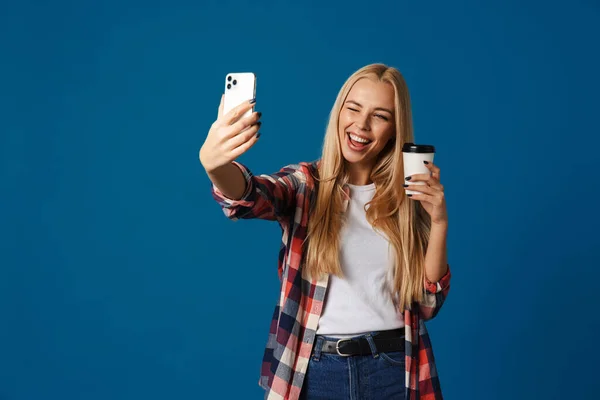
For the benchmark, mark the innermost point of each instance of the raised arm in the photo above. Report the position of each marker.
(236, 189)
(267, 196)
(229, 181)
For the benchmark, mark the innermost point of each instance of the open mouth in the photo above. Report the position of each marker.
(356, 142)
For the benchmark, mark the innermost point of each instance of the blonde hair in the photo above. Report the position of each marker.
(404, 222)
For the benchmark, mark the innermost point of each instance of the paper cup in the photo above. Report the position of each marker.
(413, 156)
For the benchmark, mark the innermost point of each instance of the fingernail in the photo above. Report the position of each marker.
(253, 101)
(259, 123)
(426, 162)
(405, 185)
(408, 178)
(409, 195)
(259, 114)
(258, 135)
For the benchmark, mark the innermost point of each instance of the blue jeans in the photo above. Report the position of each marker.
(377, 376)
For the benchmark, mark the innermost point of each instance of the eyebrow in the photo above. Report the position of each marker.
(378, 108)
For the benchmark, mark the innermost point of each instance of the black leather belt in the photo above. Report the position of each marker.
(385, 341)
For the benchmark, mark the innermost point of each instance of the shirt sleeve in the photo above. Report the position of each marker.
(435, 295)
(267, 196)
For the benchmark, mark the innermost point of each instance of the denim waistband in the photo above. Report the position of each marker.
(369, 337)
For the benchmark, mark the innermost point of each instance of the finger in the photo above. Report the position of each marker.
(432, 182)
(221, 105)
(431, 166)
(435, 170)
(418, 177)
(243, 137)
(422, 197)
(236, 113)
(436, 201)
(421, 178)
(421, 188)
(244, 123)
(245, 146)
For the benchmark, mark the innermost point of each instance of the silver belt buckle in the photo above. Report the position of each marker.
(337, 347)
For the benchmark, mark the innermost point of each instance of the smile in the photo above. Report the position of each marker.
(358, 139)
(357, 143)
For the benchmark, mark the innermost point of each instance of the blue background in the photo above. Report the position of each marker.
(121, 278)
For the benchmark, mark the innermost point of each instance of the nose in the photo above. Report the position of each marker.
(362, 121)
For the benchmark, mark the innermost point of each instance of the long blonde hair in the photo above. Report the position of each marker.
(404, 222)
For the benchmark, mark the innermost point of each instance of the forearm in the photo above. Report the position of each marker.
(436, 260)
(229, 179)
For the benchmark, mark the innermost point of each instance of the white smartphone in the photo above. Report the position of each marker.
(239, 87)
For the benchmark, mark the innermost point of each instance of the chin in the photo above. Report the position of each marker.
(351, 157)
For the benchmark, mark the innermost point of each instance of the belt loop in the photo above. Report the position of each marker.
(372, 345)
(318, 345)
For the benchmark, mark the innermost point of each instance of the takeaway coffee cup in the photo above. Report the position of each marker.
(413, 156)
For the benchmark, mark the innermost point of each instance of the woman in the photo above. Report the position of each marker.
(359, 257)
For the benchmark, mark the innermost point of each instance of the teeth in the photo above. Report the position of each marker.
(357, 139)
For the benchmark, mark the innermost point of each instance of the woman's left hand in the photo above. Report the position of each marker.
(432, 194)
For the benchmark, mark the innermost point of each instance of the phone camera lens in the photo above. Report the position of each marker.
(229, 78)
(235, 82)
(229, 86)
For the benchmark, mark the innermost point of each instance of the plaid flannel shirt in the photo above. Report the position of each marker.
(287, 197)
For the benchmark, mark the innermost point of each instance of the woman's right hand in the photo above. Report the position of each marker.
(229, 136)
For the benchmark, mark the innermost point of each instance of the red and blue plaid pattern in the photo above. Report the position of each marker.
(287, 197)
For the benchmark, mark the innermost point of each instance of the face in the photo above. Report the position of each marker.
(366, 124)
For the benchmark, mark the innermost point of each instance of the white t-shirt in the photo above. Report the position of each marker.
(361, 302)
